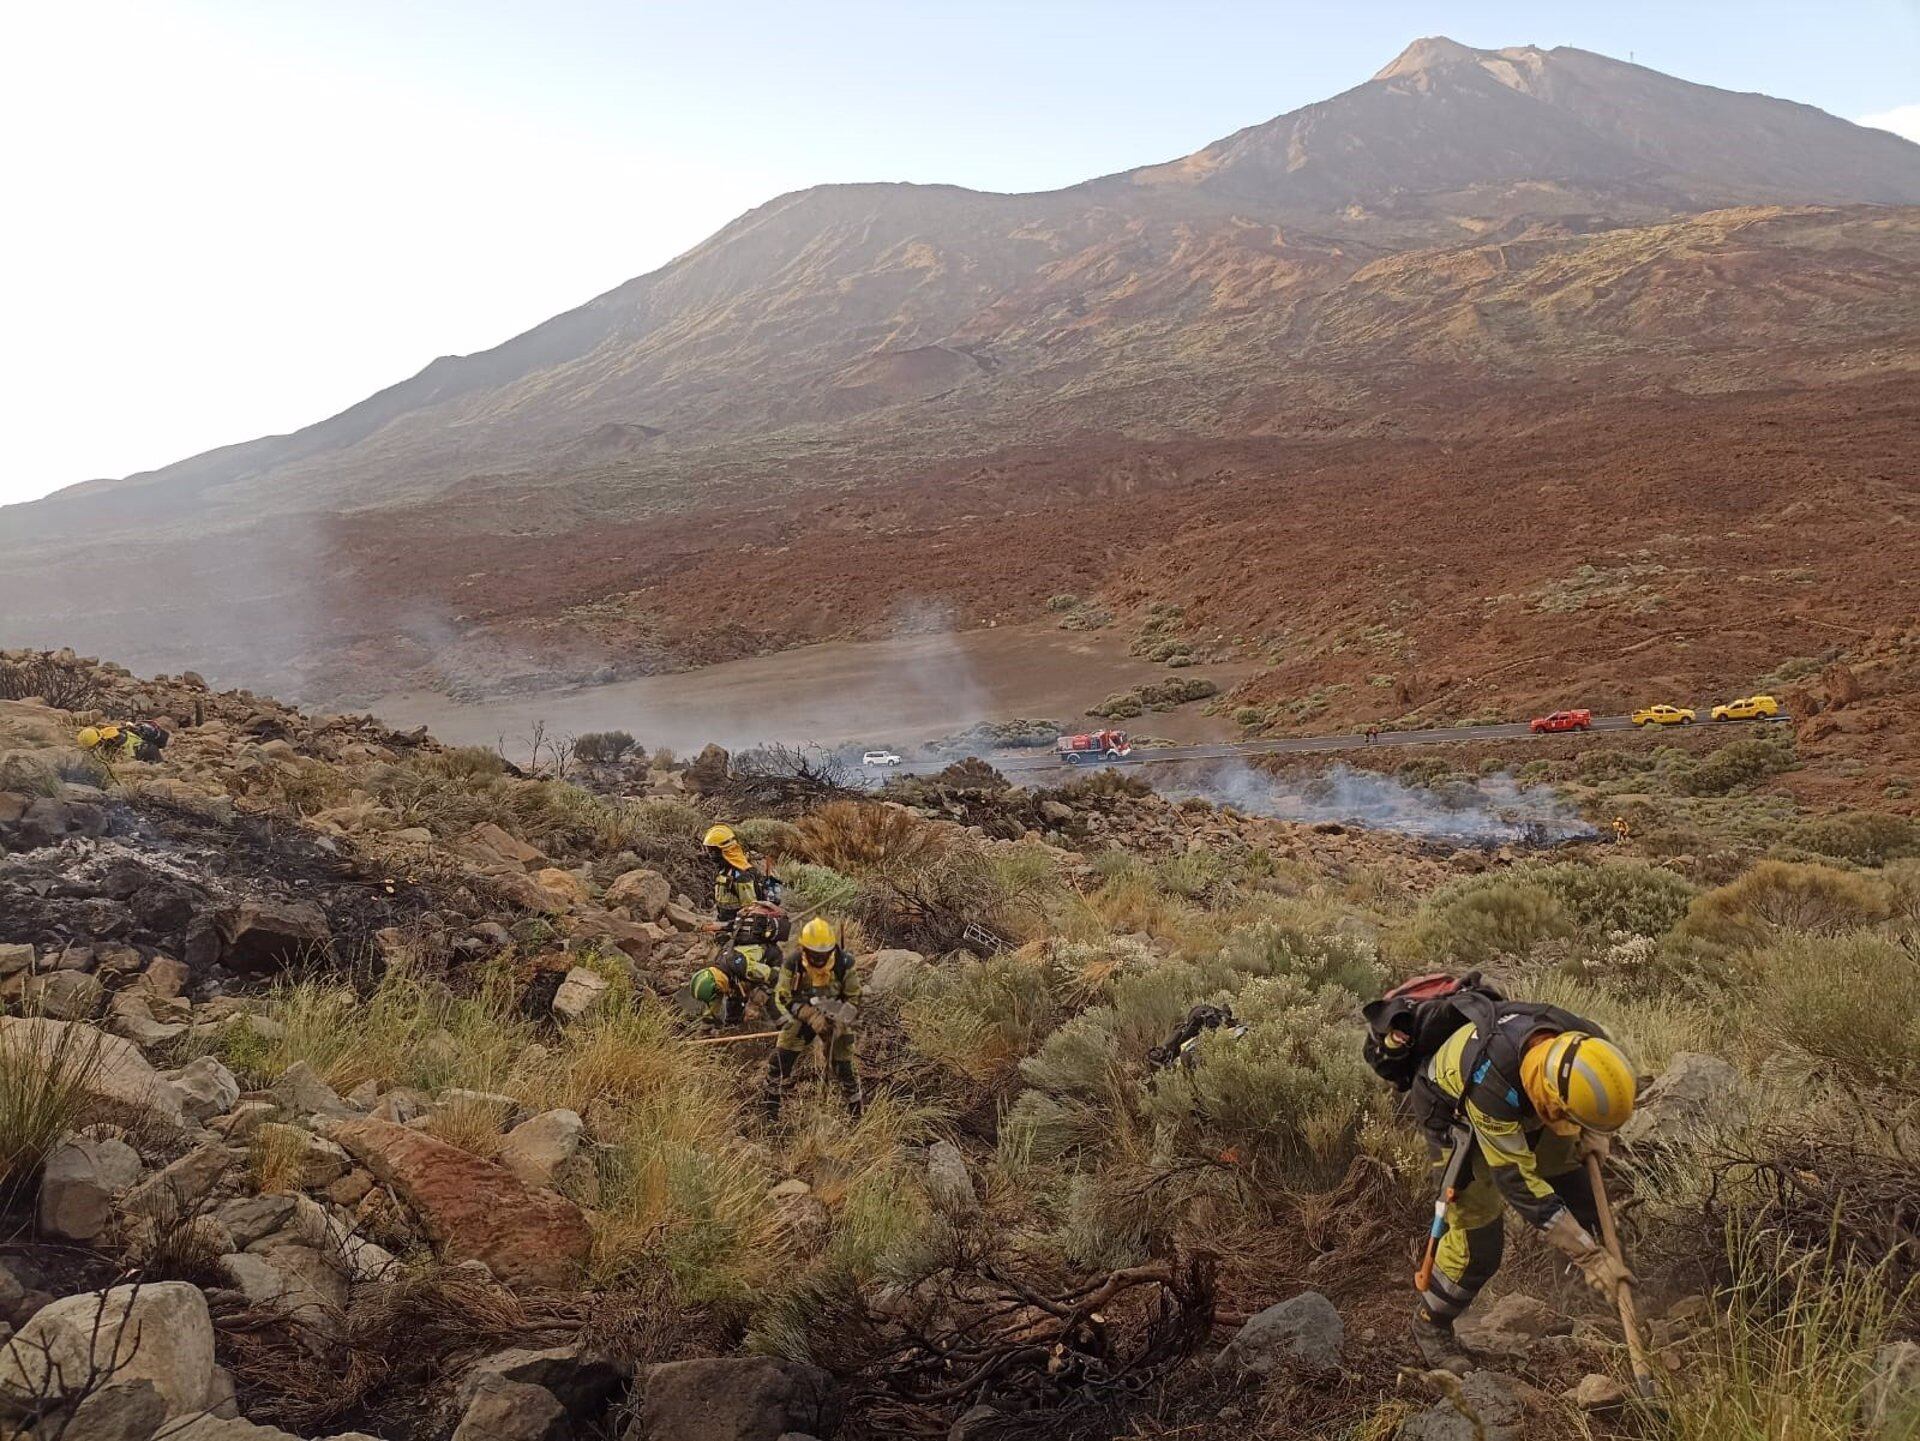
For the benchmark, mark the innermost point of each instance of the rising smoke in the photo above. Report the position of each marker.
(1494, 810)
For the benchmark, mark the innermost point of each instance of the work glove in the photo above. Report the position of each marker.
(1596, 1264)
(1604, 1274)
(1597, 1144)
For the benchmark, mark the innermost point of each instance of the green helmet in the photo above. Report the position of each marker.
(708, 984)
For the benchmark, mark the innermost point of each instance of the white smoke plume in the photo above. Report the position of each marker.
(1493, 810)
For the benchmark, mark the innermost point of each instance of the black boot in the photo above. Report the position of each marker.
(779, 1073)
(849, 1080)
(1439, 1348)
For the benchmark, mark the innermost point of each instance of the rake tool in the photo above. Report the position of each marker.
(1629, 1321)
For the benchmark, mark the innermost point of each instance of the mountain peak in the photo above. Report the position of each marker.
(1434, 52)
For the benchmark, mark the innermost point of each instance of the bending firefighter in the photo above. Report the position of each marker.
(719, 994)
(737, 882)
(1528, 1090)
(817, 996)
(131, 741)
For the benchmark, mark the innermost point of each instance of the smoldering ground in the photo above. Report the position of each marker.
(1488, 810)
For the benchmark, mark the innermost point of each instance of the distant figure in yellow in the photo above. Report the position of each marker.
(131, 741)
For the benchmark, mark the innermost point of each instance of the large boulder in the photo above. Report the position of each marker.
(707, 771)
(78, 1185)
(263, 936)
(580, 994)
(294, 1280)
(893, 971)
(1694, 1090)
(207, 1089)
(118, 1411)
(732, 1398)
(544, 1151)
(183, 1186)
(471, 1208)
(582, 1381)
(300, 1091)
(63, 995)
(1510, 1326)
(1306, 1332)
(488, 844)
(504, 1410)
(225, 1428)
(643, 892)
(159, 1332)
(120, 1085)
(1486, 1406)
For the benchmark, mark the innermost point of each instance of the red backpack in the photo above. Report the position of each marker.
(1414, 1019)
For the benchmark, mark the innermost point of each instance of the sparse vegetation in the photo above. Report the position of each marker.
(46, 1075)
(608, 748)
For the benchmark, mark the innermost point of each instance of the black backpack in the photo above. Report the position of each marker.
(1413, 1020)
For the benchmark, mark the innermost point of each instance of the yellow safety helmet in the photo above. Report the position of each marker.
(718, 837)
(88, 738)
(1581, 1078)
(817, 936)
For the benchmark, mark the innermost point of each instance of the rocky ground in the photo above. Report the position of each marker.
(222, 1224)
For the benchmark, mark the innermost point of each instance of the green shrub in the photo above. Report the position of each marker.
(1616, 896)
(1738, 764)
(46, 1078)
(1422, 771)
(1268, 948)
(1867, 837)
(1061, 603)
(764, 835)
(1785, 895)
(607, 747)
(977, 1020)
(1285, 1101)
(1249, 715)
(1121, 705)
(1851, 1002)
(1470, 923)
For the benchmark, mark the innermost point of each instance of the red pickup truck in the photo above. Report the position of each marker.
(1562, 720)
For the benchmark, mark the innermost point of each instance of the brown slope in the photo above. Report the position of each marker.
(1300, 280)
(744, 333)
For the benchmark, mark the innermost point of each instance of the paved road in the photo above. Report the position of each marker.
(1300, 745)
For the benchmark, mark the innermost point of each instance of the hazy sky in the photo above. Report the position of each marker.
(225, 218)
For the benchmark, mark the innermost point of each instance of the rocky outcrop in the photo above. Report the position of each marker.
(263, 936)
(1304, 1332)
(644, 893)
(79, 1184)
(1694, 1090)
(159, 1333)
(119, 1083)
(471, 1208)
(732, 1398)
(1486, 1406)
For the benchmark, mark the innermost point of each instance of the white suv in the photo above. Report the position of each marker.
(879, 758)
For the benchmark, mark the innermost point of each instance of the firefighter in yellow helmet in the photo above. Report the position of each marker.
(1533, 1097)
(817, 996)
(719, 994)
(737, 882)
(129, 741)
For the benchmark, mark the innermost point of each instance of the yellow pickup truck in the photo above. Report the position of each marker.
(1752, 707)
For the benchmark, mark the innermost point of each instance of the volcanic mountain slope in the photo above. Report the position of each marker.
(1469, 236)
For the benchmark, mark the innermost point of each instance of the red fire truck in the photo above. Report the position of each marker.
(1093, 747)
